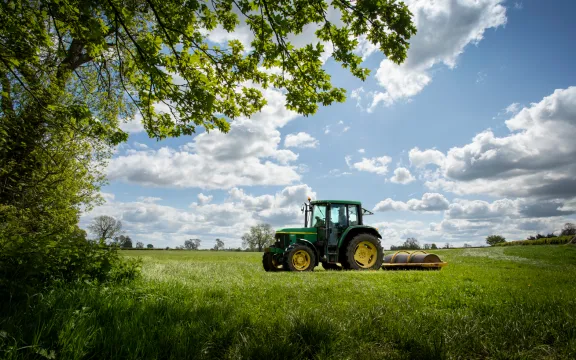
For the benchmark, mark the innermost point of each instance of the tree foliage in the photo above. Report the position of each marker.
(219, 244)
(124, 241)
(495, 239)
(192, 244)
(409, 244)
(150, 246)
(259, 237)
(105, 227)
(114, 57)
(568, 229)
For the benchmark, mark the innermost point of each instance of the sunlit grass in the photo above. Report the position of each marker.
(515, 302)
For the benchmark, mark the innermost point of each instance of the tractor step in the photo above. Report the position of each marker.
(332, 253)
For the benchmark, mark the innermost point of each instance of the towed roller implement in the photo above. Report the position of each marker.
(416, 260)
(335, 236)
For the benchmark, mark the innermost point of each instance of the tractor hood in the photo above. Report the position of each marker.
(302, 230)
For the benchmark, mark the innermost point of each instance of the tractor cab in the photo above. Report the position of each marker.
(332, 218)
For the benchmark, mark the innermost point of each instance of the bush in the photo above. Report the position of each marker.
(33, 263)
(556, 240)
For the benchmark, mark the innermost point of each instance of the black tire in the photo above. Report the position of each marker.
(331, 266)
(371, 243)
(270, 263)
(299, 257)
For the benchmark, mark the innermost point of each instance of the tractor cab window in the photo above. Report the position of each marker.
(338, 216)
(319, 216)
(353, 214)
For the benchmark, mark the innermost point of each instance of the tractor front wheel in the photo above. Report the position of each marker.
(269, 263)
(299, 258)
(364, 252)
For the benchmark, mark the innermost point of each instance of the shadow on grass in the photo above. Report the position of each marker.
(100, 323)
(172, 322)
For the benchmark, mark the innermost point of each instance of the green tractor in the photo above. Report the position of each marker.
(335, 236)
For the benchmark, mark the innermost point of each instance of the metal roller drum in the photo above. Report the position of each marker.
(412, 260)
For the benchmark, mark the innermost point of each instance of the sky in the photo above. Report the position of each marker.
(473, 135)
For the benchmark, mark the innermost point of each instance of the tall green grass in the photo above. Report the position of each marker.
(500, 303)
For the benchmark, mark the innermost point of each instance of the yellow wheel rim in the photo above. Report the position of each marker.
(301, 260)
(365, 254)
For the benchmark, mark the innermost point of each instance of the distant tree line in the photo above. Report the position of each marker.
(109, 231)
(413, 244)
(569, 229)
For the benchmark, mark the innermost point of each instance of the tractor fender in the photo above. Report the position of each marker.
(310, 245)
(355, 230)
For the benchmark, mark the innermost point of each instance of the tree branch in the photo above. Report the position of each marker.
(7, 104)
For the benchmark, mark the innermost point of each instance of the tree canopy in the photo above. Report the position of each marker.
(114, 57)
(495, 239)
(568, 229)
(258, 237)
(105, 227)
(123, 241)
(219, 244)
(192, 244)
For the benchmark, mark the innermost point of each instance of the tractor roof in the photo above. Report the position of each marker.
(335, 202)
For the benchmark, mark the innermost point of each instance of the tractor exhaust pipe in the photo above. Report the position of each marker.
(416, 260)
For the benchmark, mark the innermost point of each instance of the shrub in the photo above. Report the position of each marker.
(32, 263)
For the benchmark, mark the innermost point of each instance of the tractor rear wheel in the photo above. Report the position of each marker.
(331, 266)
(299, 258)
(269, 263)
(364, 252)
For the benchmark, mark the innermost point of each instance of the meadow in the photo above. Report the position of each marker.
(498, 303)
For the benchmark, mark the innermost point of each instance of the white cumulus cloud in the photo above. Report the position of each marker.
(248, 155)
(204, 199)
(534, 160)
(300, 140)
(402, 176)
(429, 202)
(445, 28)
(420, 158)
(145, 220)
(377, 165)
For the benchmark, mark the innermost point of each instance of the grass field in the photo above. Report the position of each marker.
(501, 303)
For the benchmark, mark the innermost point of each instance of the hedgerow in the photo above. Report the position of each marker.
(559, 240)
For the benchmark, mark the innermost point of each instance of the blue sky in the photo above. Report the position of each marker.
(474, 134)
